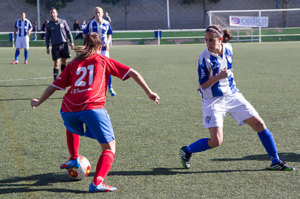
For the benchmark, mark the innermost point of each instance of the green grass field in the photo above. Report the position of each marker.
(149, 136)
(180, 37)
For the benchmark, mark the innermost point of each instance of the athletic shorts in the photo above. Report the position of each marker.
(215, 109)
(60, 51)
(105, 53)
(94, 123)
(22, 42)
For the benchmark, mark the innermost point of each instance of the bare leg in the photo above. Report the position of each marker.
(216, 136)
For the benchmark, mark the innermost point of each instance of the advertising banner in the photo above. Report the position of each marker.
(246, 21)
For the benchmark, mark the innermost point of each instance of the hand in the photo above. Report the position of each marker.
(48, 51)
(72, 46)
(198, 89)
(34, 103)
(154, 97)
(224, 73)
(107, 47)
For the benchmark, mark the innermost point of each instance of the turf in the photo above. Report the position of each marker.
(149, 136)
(178, 37)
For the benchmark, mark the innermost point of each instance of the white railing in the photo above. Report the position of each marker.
(238, 35)
(258, 13)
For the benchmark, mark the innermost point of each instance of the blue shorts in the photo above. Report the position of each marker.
(97, 124)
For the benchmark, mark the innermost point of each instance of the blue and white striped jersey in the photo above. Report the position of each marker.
(209, 65)
(23, 27)
(82, 27)
(103, 29)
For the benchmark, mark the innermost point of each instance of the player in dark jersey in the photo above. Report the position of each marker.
(58, 31)
(83, 104)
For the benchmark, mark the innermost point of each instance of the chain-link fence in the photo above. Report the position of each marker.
(137, 14)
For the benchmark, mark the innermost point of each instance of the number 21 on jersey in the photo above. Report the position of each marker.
(82, 72)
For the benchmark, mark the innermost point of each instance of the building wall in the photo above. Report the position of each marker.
(141, 14)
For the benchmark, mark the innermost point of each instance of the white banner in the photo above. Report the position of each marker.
(245, 21)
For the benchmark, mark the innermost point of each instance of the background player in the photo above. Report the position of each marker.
(220, 96)
(103, 28)
(57, 30)
(87, 76)
(107, 17)
(22, 31)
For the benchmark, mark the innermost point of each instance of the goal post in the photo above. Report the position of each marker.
(248, 24)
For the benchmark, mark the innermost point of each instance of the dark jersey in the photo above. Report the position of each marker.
(58, 32)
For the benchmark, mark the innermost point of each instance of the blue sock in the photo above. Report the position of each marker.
(268, 142)
(110, 82)
(198, 146)
(26, 54)
(17, 54)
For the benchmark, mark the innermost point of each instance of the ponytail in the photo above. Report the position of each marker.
(92, 42)
(226, 36)
(92, 18)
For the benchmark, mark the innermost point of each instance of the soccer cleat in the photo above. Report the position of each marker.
(14, 62)
(185, 158)
(101, 188)
(25, 62)
(112, 92)
(281, 166)
(70, 164)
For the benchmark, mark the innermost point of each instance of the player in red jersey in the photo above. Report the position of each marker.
(83, 104)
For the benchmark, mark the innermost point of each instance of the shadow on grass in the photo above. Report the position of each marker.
(28, 189)
(289, 157)
(42, 182)
(175, 171)
(36, 183)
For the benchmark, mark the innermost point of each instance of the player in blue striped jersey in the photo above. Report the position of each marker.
(22, 32)
(220, 96)
(103, 28)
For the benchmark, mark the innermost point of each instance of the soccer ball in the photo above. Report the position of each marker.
(83, 170)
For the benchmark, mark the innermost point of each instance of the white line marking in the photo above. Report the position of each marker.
(13, 80)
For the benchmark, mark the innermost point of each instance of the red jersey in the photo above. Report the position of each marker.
(88, 80)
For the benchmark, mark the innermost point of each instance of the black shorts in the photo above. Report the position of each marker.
(60, 51)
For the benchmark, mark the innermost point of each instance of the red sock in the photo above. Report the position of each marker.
(103, 166)
(73, 141)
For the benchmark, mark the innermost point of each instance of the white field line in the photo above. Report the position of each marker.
(34, 78)
(5, 58)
